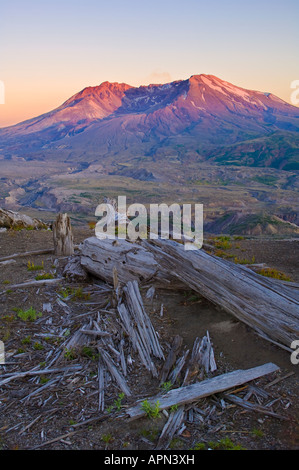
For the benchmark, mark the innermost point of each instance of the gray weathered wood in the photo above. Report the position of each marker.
(114, 371)
(40, 283)
(131, 260)
(173, 423)
(194, 392)
(11, 219)
(270, 308)
(253, 406)
(27, 253)
(63, 236)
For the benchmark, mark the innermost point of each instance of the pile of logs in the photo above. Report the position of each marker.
(269, 307)
(190, 376)
(124, 336)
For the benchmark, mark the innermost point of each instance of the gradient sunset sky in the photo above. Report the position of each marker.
(51, 50)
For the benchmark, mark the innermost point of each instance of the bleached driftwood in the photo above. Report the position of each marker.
(131, 260)
(74, 271)
(114, 371)
(270, 308)
(31, 373)
(27, 253)
(201, 360)
(194, 392)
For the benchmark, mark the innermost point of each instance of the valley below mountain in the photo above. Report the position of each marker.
(201, 140)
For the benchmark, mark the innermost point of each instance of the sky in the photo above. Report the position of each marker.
(51, 50)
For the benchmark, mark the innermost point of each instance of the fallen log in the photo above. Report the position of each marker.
(42, 282)
(132, 262)
(194, 392)
(173, 423)
(269, 307)
(27, 253)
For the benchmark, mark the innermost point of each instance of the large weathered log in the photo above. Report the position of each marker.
(138, 327)
(270, 308)
(131, 260)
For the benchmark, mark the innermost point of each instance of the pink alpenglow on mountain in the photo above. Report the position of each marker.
(204, 113)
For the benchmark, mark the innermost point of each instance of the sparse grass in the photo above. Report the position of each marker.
(118, 401)
(91, 225)
(150, 434)
(175, 443)
(166, 386)
(223, 254)
(89, 352)
(42, 277)
(223, 244)
(224, 444)
(199, 446)
(43, 379)
(8, 318)
(257, 432)
(64, 292)
(75, 294)
(244, 260)
(26, 340)
(27, 315)
(32, 267)
(78, 294)
(274, 273)
(107, 438)
(70, 354)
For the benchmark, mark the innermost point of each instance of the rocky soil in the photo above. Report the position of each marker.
(61, 410)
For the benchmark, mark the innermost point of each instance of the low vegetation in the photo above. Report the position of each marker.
(274, 274)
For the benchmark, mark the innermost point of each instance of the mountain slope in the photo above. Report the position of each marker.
(206, 115)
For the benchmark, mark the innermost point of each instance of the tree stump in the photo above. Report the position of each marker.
(63, 236)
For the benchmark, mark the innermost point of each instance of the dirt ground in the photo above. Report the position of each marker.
(53, 418)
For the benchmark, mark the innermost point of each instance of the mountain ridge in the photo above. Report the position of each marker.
(203, 114)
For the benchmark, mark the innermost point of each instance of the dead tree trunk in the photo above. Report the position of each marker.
(270, 308)
(63, 236)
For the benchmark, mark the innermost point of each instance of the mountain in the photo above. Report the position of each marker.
(203, 117)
